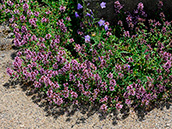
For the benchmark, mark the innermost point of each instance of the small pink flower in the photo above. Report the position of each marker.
(71, 40)
(77, 47)
(108, 33)
(112, 82)
(126, 33)
(48, 36)
(87, 86)
(111, 88)
(117, 6)
(29, 13)
(110, 75)
(140, 6)
(41, 39)
(44, 20)
(55, 66)
(160, 4)
(142, 90)
(75, 102)
(86, 93)
(32, 22)
(17, 42)
(68, 18)
(62, 8)
(120, 23)
(128, 102)
(22, 18)
(167, 65)
(16, 11)
(132, 92)
(118, 67)
(34, 38)
(19, 53)
(36, 14)
(118, 106)
(48, 12)
(37, 84)
(129, 87)
(25, 6)
(74, 94)
(103, 107)
(9, 71)
(162, 14)
(11, 20)
(10, 3)
(23, 29)
(121, 75)
(129, 19)
(125, 95)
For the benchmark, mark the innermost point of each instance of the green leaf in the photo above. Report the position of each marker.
(124, 52)
(123, 60)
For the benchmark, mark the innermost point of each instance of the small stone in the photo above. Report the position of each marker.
(2, 55)
(21, 126)
(10, 35)
(2, 28)
(7, 28)
(167, 125)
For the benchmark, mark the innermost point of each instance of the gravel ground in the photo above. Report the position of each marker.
(23, 107)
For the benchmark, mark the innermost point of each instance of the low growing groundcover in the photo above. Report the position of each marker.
(74, 57)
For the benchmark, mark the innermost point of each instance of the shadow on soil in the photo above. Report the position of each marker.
(39, 98)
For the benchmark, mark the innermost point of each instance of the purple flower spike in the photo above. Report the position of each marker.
(103, 5)
(76, 14)
(99, 59)
(88, 14)
(87, 38)
(79, 6)
(106, 27)
(91, 11)
(101, 22)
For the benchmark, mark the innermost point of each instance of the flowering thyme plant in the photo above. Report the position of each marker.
(90, 61)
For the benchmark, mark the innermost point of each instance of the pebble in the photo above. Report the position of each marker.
(2, 55)
(1, 28)
(10, 35)
(168, 125)
(21, 126)
(7, 28)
